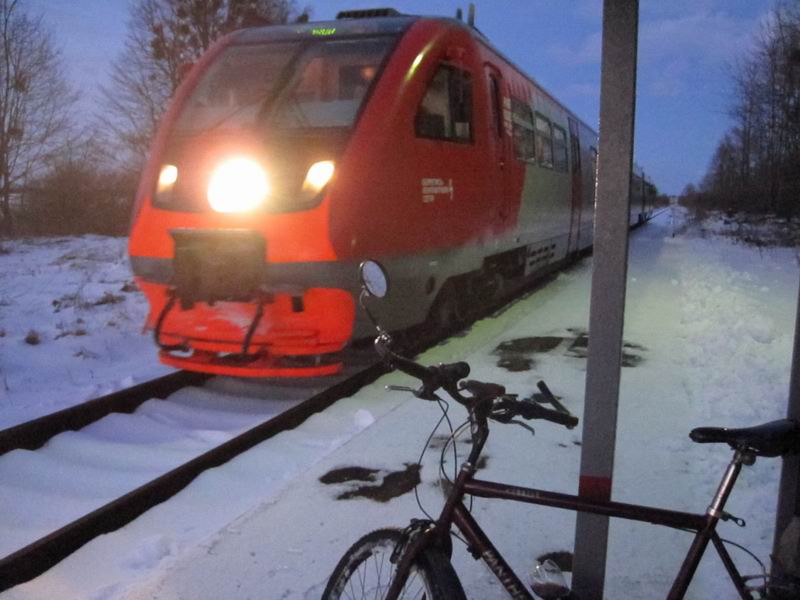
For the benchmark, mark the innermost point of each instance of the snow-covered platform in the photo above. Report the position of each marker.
(709, 328)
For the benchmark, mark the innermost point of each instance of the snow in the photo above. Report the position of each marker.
(77, 295)
(709, 327)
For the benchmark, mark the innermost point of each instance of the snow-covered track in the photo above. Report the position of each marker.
(40, 555)
(37, 557)
(34, 434)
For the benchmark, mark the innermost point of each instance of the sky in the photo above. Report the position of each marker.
(687, 50)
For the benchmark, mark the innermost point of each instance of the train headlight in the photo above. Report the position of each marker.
(318, 176)
(167, 178)
(238, 185)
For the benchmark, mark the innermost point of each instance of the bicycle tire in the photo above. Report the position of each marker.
(366, 572)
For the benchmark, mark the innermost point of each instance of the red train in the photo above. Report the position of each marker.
(291, 153)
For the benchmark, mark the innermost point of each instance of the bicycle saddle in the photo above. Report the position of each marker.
(769, 439)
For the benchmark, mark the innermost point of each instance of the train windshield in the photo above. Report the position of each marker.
(287, 85)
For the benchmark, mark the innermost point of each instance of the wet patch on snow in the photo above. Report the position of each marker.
(517, 355)
(515, 363)
(631, 352)
(379, 485)
(346, 474)
(530, 345)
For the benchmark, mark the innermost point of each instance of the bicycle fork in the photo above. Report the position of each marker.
(714, 513)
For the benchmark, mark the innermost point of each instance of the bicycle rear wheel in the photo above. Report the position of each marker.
(365, 571)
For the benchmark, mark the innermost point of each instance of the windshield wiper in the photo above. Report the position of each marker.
(267, 99)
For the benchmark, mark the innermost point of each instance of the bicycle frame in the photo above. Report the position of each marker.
(479, 544)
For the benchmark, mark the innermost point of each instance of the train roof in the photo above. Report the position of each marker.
(376, 22)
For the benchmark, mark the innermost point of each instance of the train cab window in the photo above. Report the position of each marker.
(291, 85)
(560, 162)
(522, 123)
(445, 112)
(544, 142)
(329, 84)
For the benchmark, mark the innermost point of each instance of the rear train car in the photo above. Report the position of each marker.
(291, 153)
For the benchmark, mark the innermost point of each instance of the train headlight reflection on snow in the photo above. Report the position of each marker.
(238, 185)
(318, 176)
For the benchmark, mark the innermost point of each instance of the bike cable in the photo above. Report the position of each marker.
(444, 406)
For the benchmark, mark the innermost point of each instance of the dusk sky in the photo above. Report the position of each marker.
(686, 51)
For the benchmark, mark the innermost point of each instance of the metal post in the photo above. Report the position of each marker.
(607, 311)
(786, 544)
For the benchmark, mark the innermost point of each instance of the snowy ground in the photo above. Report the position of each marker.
(709, 325)
(70, 325)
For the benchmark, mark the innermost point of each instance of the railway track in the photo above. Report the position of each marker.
(36, 433)
(30, 472)
(37, 556)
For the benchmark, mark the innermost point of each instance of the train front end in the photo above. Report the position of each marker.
(230, 237)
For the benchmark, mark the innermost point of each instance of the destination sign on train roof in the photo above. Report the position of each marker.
(342, 28)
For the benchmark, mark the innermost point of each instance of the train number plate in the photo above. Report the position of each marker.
(218, 265)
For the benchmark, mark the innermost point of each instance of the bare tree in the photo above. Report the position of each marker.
(757, 164)
(35, 102)
(163, 37)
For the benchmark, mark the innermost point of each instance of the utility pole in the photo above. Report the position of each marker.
(607, 309)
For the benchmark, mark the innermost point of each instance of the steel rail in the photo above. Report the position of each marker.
(36, 433)
(39, 556)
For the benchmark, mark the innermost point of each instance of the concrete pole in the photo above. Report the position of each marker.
(607, 309)
(786, 544)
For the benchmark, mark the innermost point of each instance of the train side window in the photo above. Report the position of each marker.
(544, 141)
(497, 115)
(522, 120)
(446, 110)
(560, 161)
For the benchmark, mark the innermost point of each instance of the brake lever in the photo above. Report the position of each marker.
(505, 415)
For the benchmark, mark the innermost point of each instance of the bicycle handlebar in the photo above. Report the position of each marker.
(445, 375)
(532, 410)
(499, 406)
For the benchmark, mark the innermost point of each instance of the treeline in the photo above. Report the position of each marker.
(61, 176)
(756, 166)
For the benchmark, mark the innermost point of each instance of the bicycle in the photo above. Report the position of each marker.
(415, 562)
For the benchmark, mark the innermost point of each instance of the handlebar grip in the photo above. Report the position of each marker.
(453, 372)
(531, 410)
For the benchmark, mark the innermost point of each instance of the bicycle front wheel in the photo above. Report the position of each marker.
(365, 571)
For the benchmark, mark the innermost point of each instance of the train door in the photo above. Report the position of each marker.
(498, 144)
(577, 188)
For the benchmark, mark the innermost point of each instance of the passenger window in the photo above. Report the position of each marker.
(496, 113)
(522, 120)
(544, 142)
(560, 161)
(446, 110)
